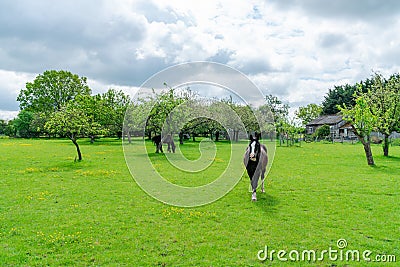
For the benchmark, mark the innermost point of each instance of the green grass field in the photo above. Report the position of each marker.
(57, 212)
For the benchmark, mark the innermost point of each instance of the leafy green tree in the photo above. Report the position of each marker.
(50, 91)
(267, 121)
(339, 96)
(37, 124)
(323, 131)
(362, 122)
(96, 111)
(308, 113)
(384, 102)
(343, 95)
(247, 119)
(277, 107)
(3, 126)
(10, 129)
(135, 117)
(72, 122)
(280, 113)
(160, 115)
(22, 123)
(115, 105)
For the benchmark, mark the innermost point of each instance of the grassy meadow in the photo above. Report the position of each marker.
(58, 212)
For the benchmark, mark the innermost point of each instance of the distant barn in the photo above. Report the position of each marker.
(339, 127)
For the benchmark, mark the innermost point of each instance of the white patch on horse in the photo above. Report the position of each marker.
(252, 150)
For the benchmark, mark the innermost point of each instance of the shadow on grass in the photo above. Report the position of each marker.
(154, 155)
(101, 142)
(392, 158)
(266, 202)
(386, 164)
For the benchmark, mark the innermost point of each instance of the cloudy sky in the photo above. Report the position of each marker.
(294, 49)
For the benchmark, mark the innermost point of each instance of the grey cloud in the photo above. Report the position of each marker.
(222, 56)
(334, 41)
(212, 73)
(253, 66)
(54, 35)
(371, 10)
(8, 100)
(256, 66)
(279, 90)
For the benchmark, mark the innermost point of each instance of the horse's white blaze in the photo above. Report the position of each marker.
(252, 149)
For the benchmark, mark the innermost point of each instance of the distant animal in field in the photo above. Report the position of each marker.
(256, 159)
(158, 142)
(170, 141)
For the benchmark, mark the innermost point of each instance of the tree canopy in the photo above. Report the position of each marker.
(50, 91)
(362, 122)
(308, 113)
(71, 121)
(383, 99)
(339, 96)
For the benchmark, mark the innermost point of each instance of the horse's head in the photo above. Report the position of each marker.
(255, 149)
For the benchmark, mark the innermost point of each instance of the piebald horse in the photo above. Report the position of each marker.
(158, 142)
(255, 159)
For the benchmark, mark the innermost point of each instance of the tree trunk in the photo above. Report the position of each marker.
(77, 148)
(367, 149)
(236, 135)
(367, 145)
(386, 145)
(368, 153)
(129, 137)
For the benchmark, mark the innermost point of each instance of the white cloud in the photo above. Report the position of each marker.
(10, 85)
(8, 115)
(294, 49)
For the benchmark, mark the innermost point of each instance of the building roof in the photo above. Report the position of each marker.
(326, 119)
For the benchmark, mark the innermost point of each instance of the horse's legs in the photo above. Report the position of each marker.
(254, 183)
(157, 147)
(173, 147)
(160, 147)
(262, 181)
(254, 196)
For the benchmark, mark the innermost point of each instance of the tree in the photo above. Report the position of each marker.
(266, 117)
(22, 123)
(323, 131)
(362, 122)
(3, 126)
(10, 129)
(135, 117)
(339, 96)
(280, 113)
(36, 126)
(72, 122)
(96, 111)
(50, 91)
(277, 107)
(247, 119)
(384, 102)
(160, 115)
(115, 104)
(343, 95)
(308, 113)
